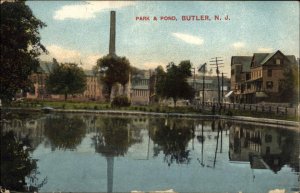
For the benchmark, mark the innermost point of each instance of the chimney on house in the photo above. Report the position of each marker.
(112, 35)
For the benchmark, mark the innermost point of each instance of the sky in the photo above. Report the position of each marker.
(78, 31)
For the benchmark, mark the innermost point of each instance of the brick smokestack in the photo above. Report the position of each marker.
(112, 35)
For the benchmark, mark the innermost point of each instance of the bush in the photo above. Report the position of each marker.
(95, 107)
(120, 101)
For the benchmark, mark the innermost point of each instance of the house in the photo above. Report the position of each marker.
(240, 73)
(259, 79)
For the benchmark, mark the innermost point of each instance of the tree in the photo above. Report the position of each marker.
(17, 165)
(160, 81)
(113, 69)
(289, 87)
(20, 47)
(173, 84)
(66, 79)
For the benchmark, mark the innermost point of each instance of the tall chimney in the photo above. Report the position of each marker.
(112, 37)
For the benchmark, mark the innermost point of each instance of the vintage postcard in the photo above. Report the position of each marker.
(149, 96)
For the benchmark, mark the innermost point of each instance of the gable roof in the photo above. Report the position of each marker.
(260, 57)
(269, 56)
(245, 61)
(263, 58)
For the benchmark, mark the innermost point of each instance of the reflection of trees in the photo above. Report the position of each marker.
(64, 132)
(16, 164)
(172, 137)
(113, 139)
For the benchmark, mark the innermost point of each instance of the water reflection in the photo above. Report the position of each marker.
(263, 147)
(206, 148)
(172, 136)
(64, 132)
(17, 165)
(113, 139)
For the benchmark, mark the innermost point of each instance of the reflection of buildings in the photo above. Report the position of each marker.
(31, 130)
(262, 147)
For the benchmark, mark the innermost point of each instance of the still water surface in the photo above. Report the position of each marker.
(88, 153)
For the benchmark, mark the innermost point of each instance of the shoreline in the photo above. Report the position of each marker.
(240, 119)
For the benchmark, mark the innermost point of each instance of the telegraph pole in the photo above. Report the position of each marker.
(203, 70)
(223, 84)
(215, 62)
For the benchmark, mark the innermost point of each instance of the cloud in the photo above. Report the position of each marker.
(238, 45)
(265, 50)
(90, 61)
(190, 39)
(68, 55)
(150, 65)
(88, 9)
(63, 54)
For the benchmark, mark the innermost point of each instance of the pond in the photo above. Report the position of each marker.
(101, 153)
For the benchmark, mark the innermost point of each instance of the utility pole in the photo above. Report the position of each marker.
(223, 84)
(203, 70)
(216, 64)
(194, 79)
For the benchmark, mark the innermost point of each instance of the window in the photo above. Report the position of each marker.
(270, 72)
(277, 61)
(269, 84)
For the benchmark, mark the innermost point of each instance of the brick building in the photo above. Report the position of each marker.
(93, 89)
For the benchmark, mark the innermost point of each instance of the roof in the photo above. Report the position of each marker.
(259, 57)
(292, 59)
(262, 58)
(270, 55)
(245, 61)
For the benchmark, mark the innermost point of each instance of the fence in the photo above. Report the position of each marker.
(274, 109)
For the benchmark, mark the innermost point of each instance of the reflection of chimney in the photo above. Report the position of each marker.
(110, 173)
(112, 35)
